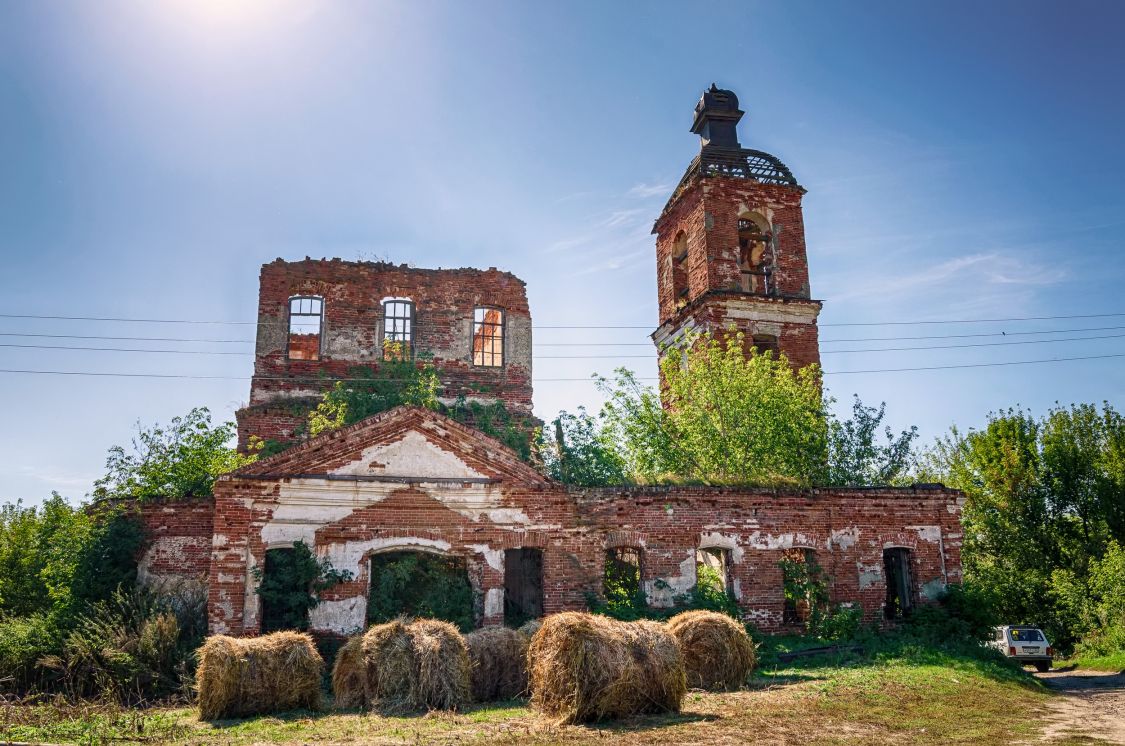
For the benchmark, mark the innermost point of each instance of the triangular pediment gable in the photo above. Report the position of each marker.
(405, 442)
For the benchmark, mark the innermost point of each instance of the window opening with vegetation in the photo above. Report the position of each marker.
(306, 316)
(900, 586)
(488, 337)
(803, 585)
(289, 582)
(398, 329)
(420, 584)
(523, 585)
(712, 568)
(621, 583)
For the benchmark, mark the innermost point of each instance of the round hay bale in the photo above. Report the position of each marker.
(442, 660)
(257, 675)
(529, 629)
(349, 674)
(499, 663)
(390, 673)
(585, 667)
(718, 654)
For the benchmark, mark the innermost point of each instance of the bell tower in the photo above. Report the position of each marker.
(730, 244)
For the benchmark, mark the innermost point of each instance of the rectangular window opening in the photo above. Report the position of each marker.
(523, 585)
(799, 569)
(712, 567)
(398, 330)
(488, 337)
(306, 316)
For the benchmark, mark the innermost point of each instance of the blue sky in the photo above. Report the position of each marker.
(963, 161)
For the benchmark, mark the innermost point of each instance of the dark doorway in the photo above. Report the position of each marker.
(621, 583)
(283, 592)
(420, 584)
(900, 585)
(523, 585)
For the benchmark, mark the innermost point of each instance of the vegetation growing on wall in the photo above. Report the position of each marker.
(290, 584)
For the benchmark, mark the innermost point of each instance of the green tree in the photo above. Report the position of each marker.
(1043, 498)
(290, 585)
(178, 460)
(724, 418)
(855, 455)
(581, 453)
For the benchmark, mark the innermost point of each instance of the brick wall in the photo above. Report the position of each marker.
(177, 540)
(283, 390)
(324, 493)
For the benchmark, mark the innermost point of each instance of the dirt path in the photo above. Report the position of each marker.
(1093, 706)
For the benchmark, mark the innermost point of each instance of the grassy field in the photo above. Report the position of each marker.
(914, 697)
(1114, 662)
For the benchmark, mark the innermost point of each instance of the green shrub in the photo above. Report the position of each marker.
(135, 646)
(23, 642)
(290, 584)
(708, 593)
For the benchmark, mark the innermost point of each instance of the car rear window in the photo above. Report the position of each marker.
(1026, 635)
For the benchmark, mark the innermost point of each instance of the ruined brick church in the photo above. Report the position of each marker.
(730, 251)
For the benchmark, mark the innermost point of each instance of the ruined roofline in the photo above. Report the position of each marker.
(390, 266)
(693, 490)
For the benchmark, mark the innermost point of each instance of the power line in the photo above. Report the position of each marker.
(580, 326)
(597, 357)
(541, 380)
(129, 339)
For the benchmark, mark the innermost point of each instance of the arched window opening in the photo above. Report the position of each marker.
(420, 584)
(900, 583)
(713, 568)
(755, 255)
(488, 337)
(679, 268)
(306, 323)
(621, 582)
(398, 329)
(523, 585)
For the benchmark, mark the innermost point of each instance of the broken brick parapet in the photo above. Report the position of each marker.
(352, 330)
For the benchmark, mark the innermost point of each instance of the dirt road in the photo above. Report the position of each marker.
(1093, 706)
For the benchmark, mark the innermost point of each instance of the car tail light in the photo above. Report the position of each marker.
(1050, 650)
(1011, 650)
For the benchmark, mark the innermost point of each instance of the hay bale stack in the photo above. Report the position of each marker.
(391, 676)
(585, 667)
(443, 665)
(499, 663)
(256, 675)
(349, 674)
(718, 654)
(529, 629)
(415, 666)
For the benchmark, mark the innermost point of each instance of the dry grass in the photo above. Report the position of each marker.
(349, 674)
(499, 663)
(529, 629)
(718, 654)
(251, 676)
(416, 666)
(585, 667)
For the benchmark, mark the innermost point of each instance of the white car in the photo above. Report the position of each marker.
(1025, 645)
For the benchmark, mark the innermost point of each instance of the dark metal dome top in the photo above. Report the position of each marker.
(720, 154)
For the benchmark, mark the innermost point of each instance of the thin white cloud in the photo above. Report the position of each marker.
(645, 190)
